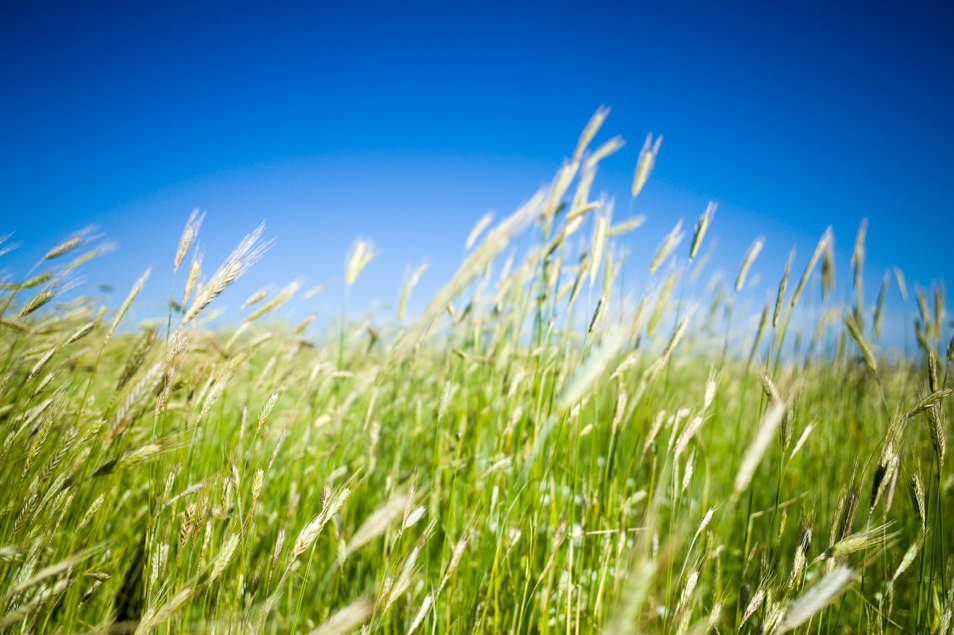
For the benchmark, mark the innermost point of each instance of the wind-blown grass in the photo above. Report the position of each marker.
(521, 457)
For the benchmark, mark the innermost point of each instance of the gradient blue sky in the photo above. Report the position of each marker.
(405, 122)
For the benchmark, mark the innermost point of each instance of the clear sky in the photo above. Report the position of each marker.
(405, 122)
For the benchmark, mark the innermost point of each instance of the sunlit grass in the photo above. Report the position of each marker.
(542, 449)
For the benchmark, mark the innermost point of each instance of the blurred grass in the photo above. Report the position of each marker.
(535, 452)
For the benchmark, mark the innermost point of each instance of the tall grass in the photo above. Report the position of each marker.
(520, 457)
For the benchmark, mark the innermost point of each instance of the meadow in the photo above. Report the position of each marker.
(543, 448)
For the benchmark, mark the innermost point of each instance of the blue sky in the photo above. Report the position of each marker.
(405, 122)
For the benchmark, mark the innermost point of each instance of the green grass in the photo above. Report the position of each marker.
(511, 460)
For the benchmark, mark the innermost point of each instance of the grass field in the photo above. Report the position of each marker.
(541, 449)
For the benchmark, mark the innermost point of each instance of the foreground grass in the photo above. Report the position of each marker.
(515, 459)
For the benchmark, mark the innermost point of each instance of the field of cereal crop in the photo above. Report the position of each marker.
(541, 449)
